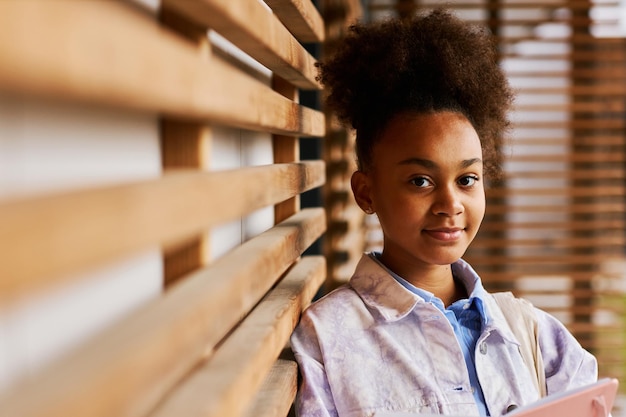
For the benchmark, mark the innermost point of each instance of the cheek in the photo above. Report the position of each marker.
(384, 196)
(401, 212)
(479, 209)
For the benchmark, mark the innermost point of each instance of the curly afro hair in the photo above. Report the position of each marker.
(428, 63)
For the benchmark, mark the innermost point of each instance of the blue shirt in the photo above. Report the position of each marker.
(466, 319)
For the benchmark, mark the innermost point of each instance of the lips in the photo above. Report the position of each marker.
(445, 234)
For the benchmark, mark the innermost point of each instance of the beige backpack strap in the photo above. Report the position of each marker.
(520, 316)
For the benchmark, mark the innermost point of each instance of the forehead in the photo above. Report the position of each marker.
(435, 136)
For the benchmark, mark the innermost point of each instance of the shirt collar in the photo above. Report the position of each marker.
(477, 294)
(392, 298)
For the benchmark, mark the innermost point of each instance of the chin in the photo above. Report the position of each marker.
(446, 259)
(446, 262)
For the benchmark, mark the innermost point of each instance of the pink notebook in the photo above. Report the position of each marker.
(594, 400)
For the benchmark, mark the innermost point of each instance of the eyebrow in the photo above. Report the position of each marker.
(427, 163)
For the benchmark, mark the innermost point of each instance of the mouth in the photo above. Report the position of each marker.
(445, 234)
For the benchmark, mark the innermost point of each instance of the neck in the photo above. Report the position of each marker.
(446, 288)
(436, 279)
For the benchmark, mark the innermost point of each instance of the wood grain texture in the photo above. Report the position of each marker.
(277, 392)
(185, 145)
(128, 369)
(285, 149)
(301, 17)
(256, 31)
(247, 355)
(70, 232)
(138, 66)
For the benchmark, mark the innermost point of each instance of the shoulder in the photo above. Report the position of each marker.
(567, 363)
(553, 332)
(333, 305)
(326, 320)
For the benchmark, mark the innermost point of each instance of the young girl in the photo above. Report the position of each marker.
(414, 330)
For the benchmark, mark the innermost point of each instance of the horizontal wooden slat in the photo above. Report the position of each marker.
(127, 369)
(573, 5)
(351, 242)
(255, 30)
(495, 273)
(354, 10)
(352, 219)
(278, 391)
(588, 191)
(300, 17)
(570, 157)
(609, 209)
(556, 208)
(582, 225)
(580, 123)
(580, 174)
(241, 362)
(572, 21)
(576, 293)
(70, 232)
(577, 259)
(551, 243)
(575, 56)
(575, 39)
(588, 140)
(582, 138)
(602, 105)
(139, 65)
(491, 275)
(614, 91)
(483, 254)
(347, 249)
(581, 326)
(613, 70)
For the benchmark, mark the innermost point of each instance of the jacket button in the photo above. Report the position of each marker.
(483, 348)
(511, 408)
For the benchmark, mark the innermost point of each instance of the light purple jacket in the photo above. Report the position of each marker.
(372, 345)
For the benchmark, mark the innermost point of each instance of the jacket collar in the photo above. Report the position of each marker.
(381, 292)
(386, 296)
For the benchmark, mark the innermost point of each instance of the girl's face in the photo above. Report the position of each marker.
(426, 186)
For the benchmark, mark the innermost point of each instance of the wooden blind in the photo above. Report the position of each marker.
(210, 344)
(345, 238)
(554, 230)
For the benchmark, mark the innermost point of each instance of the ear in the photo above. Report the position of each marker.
(361, 188)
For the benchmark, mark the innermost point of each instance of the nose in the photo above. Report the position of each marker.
(448, 202)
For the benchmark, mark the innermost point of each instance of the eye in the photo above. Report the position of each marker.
(421, 182)
(468, 180)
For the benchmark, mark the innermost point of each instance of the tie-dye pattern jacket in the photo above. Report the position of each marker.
(372, 345)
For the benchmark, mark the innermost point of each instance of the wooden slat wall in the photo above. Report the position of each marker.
(210, 345)
(345, 239)
(554, 230)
